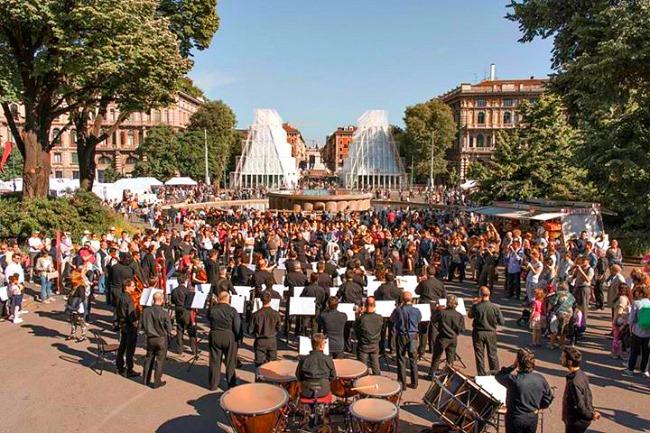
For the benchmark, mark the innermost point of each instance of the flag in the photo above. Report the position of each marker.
(6, 151)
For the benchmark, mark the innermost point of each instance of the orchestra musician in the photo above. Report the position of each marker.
(351, 291)
(316, 370)
(406, 319)
(157, 328)
(332, 322)
(368, 330)
(387, 291)
(430, 291)
(180, 297)
(450, 324)
(225, 326)
(315, 290)
(128, 325)
(265, 324)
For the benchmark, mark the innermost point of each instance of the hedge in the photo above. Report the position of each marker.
(82, 211)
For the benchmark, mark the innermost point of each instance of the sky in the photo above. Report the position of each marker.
(322, 63)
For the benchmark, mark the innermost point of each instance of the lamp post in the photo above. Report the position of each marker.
(205, 146)
(431, 162)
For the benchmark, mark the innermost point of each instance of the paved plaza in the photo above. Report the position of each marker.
(48, 385)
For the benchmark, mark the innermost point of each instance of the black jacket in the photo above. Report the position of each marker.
(388, 292)
(450, 323)
(577, 403)
(368, 329)
(315, 371)
(265, 323)
(331, 323)
(179, 296)
(350, 292)
(526, 392)
(156, 323)
(487, 316)
(224, 318)
(430, 290)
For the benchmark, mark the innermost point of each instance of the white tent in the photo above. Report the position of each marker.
(373, 159)
(266, 156)
(180, 181)
(137, 185)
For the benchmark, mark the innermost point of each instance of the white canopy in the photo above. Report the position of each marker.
(180, 181)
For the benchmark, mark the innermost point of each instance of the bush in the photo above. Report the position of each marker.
(632, 243)
(82, 211)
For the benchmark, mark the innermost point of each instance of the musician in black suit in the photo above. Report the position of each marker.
(431, 290)
(182, 300)
(225, 326)
(157, 327)
(332, 323)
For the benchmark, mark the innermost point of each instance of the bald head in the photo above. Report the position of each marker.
(158, 298)
(370, 304)
(485, 293)
(407, 297)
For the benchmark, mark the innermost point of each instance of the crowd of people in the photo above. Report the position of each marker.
(226, 250)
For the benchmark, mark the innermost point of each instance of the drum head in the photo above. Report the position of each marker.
(254, 399)
(373, 410)
(278, 371)
(385, 387)
(349, 368)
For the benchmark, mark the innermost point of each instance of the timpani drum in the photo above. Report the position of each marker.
(256, 408)
(347, 371)
(373, 415)
(282, 373)
(379, 387)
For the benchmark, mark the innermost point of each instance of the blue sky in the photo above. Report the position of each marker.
(322, 63)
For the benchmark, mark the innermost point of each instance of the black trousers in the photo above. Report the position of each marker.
(448, 346)
(155, 359)
(370, 358)
(427, 337)
(461, 271)
(514, 284)
(407, 352)
(576, 426)
(482, 340)
(386, 343)
(128, 341)
(266, 349)
(346, 335)
(521, 424)
(598, 294)
(223, 348)
(183, 325)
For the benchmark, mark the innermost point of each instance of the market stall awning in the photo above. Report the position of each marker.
(547, 216)
(503, 212)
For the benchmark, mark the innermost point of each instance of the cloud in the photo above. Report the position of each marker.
(210, 80)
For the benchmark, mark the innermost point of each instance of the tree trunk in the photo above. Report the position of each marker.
(36, 172)
(87, 164)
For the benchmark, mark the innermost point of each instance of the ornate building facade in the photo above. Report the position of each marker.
(119, 150)
(337, 146)
(481, 111)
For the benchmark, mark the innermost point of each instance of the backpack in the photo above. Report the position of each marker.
(643, 318)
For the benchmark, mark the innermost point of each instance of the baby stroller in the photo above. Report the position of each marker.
(525, 318)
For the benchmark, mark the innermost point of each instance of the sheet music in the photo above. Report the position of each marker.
(494, 388)
(408, 283)
(372, 287)
(384, 308)
(4, 293)
(275, 304)
(348, 309)
(200, 296)
(334, 291)
(146, 298)
(341, 271)
(302, 306)
(313, 266)
(280, 288)
(243, 291)
(281, 263)
(297, 291)
(172, 283)
(425, 309)
(304, 346)
(251, 267)
(460, 308)
(238, 302)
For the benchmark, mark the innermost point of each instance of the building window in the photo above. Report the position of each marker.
(471, 141)
(57, 159)
(74, 157)
(131, 160)
(56, 138)
(141, 136)
(508, 102)
(155, 115)
(480, 140)
(114, 139)
(130, 138)
(73, 136)
(507, 117)
(481, 118)
(14, 110)
(481, 102)
(75, 174)
(112, 115)
(101, 176)
(104, 160)
(58, 174)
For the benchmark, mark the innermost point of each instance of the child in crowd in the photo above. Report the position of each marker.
(75, 307)
(579, 326)
(15, 290)
(621, 310)
(536, 314)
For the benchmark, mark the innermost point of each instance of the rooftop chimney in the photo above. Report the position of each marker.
(493, 72)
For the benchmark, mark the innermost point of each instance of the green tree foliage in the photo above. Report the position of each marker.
(186, 85)
(166, 153)
(601, 57)
(73, 58)
(537, 160)
(427, 124)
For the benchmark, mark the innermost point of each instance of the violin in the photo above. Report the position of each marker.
(136, 295)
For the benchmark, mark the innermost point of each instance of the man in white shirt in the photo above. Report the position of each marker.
(35, 244)
(15, 267)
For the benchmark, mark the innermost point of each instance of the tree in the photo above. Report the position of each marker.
(601, 58)
(158, 154)
(186, 85)
(73, 58)
(537, 160)
(218, 119)
(428, 125)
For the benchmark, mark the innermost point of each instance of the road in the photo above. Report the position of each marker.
(47, 385)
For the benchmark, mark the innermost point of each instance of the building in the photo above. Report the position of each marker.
(119, 150)
(482, 110)
(298, 146)
(337, 146)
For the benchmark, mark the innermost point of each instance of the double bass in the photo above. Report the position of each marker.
(136, 295)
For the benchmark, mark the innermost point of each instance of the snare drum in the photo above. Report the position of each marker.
(282, 373)
(373, 415)
(256, 408)
(379, 387)
(347, 370)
